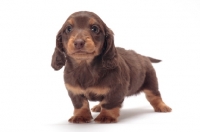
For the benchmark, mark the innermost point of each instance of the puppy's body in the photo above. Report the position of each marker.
(130, 72)
(96, 70)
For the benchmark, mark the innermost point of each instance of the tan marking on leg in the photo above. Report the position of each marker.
(156, 102)
(108, 115)
(82, 115)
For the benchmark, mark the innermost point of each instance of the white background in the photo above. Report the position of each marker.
(33, 96)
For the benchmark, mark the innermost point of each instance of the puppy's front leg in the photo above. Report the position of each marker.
(82, 112)
(108, 115)
(110, 108)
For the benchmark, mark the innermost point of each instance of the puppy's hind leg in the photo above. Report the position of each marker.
(156, 102)
(150, 88)
(96, 108)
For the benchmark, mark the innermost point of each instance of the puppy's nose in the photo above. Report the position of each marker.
(79, 43)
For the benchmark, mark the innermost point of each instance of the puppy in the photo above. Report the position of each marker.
(96, 70)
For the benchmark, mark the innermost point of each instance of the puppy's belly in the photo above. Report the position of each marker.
(134, 90)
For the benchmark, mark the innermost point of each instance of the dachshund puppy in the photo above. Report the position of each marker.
(96, 70)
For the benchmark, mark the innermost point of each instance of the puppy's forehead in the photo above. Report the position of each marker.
(82, 19)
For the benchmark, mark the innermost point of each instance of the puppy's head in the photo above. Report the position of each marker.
(84, 36)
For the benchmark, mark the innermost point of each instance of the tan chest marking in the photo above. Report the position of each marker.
(76, 90)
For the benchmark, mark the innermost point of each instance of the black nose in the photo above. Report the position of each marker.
(79, 43)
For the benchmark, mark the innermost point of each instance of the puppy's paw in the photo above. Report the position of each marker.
(105, 119)
(162, 108)
(80, 119)
(96, 108)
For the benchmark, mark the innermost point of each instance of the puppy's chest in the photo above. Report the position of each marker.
(83, 76)
(91, 93)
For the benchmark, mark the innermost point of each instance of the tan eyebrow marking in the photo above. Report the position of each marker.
(92, 21)
(70, 21)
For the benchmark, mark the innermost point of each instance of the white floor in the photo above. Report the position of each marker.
(33, 96)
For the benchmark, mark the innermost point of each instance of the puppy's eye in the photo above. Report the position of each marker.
(95, 29)
(68, 29)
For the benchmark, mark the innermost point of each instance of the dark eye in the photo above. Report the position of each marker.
(95, 29)
(68, 29)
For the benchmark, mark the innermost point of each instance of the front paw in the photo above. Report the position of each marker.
(105, 119)
(80, 119)
(107, 115)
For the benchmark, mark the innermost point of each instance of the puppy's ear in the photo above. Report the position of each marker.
(58, 57)
(109, 58)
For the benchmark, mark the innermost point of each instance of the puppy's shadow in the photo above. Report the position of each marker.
(125, 114)
(134, 113)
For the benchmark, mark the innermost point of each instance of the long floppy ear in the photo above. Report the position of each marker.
(58, 57)
(109, 58)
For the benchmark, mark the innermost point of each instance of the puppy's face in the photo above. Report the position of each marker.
(83, 36)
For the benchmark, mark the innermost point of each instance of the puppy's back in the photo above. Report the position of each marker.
(132, 58)
(138, 65)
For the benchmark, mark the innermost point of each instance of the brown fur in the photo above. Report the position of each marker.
(97, 70)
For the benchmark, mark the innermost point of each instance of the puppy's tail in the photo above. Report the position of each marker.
(153, 60)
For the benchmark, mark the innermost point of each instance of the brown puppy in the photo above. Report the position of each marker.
(96, 70)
